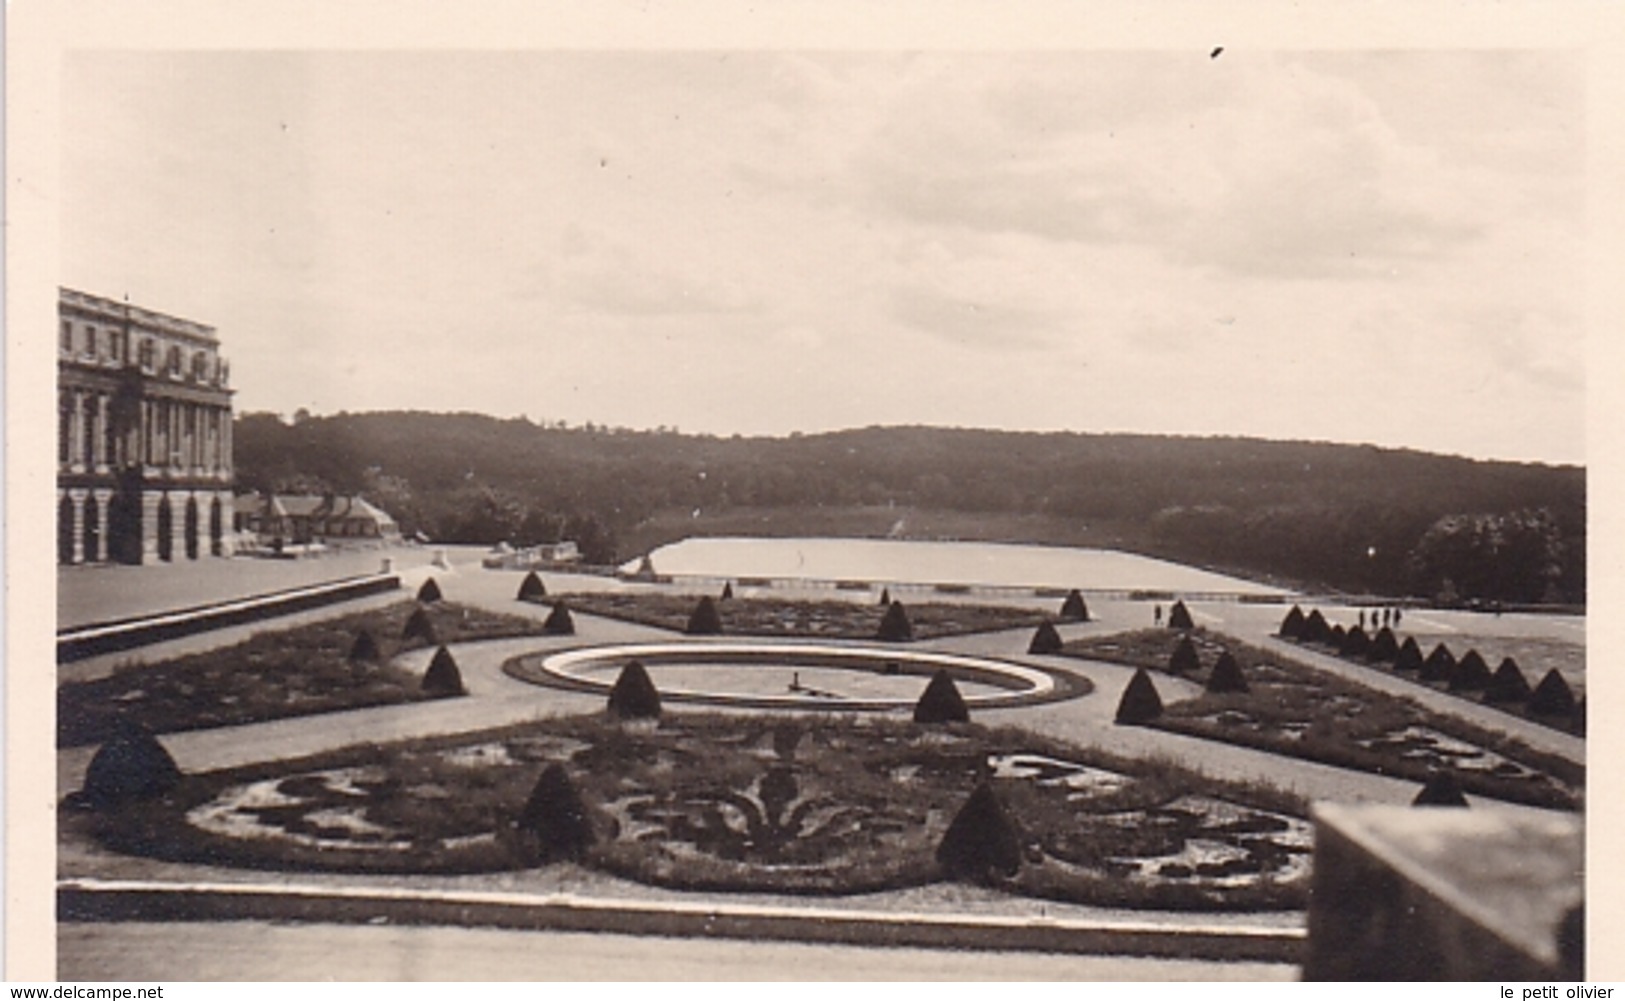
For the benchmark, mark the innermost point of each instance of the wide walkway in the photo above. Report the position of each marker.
(259, 950)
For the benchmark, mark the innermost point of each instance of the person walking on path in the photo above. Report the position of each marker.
(1156, 615)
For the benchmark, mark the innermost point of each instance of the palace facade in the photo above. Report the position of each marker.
(144, 468)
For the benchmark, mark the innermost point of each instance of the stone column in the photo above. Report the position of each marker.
(78, 497)
(149, 526)
(76, 433)
(104, 504)
(103, 460)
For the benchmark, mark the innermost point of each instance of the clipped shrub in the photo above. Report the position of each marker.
(704, 620)
(634, 695)
(1315, 629)
(895, 627)
(1179, 617)
(131, 766)
(941, 701)
(885, 597)
(1045, 639)
(364, 649)
(1577, 722)
(419, 627)
(1292, 625)
(443, 678)
(1354, 643)
(532, 588)
(1334, 637)
(1184, 659)
(1140, 702)
(1409, 657)
(1471, 673)
(1384, 648)
(1552, 697)
(429, 592)
(559, 622)
(1073, 609)
(1441, 789)
(1226, 676)
(556, 817)
(1507, 684)
(980, 841)
(727, 591)
(1441, 663)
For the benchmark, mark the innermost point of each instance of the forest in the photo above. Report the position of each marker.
(1351, 518)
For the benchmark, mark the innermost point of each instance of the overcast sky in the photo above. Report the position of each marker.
(1381, 247)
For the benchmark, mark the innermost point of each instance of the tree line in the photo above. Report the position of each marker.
(1356, 518)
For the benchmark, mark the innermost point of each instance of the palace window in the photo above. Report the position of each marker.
(146, 354)
(67, 336)
(172, 364)
(90, 342)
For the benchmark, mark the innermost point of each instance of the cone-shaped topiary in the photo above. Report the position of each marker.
(895, 627)
(1384, 648)
(1073, 609)
(941, 701)
(429, 592)
(1226, 676)
(1179, 617)
(532, 588)
(1409, 657)
(443, 677)
(1354, 643)
(1334, 638)
(132, 765)
(1315, 629)
(419, 627)
(1184, 659)
(885, 597)
(727, 591)
(1552, 697)
(1578, 721)
(556, 816)
(1292, 625)
(1441, 663)
(364, 649)
(1045, 639)
(704, 620)
(1507, 684)
(981, 840)
(634, 695)
(1140, 702)
(1441, 789)
(1471, 675)
(559, 622)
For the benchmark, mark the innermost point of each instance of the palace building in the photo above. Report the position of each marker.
(143, 435)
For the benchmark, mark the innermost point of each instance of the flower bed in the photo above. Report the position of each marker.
(761, 616)
(1294, 709)
(272, 675)
(760, 804)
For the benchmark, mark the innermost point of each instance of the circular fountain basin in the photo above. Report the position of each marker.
(800, 676)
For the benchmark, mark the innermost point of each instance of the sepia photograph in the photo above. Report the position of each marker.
(811, 504)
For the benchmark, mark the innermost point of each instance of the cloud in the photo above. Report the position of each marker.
(607, 275)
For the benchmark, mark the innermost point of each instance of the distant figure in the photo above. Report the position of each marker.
(1156, 615)
(1385, 618)
(1362, 619)
(795, 681)
(1397, 613)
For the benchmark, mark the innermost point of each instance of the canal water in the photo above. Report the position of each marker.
(983, 564)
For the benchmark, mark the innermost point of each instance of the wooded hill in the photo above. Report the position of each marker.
(1354, 518)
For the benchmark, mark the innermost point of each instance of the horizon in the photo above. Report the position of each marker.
(1363, 247)
(596, 427)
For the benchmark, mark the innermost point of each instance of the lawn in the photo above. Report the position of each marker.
(271, 675)
(760, 616)
(749, 804)
(1296, 710)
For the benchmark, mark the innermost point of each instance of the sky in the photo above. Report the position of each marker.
(1382, 246)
